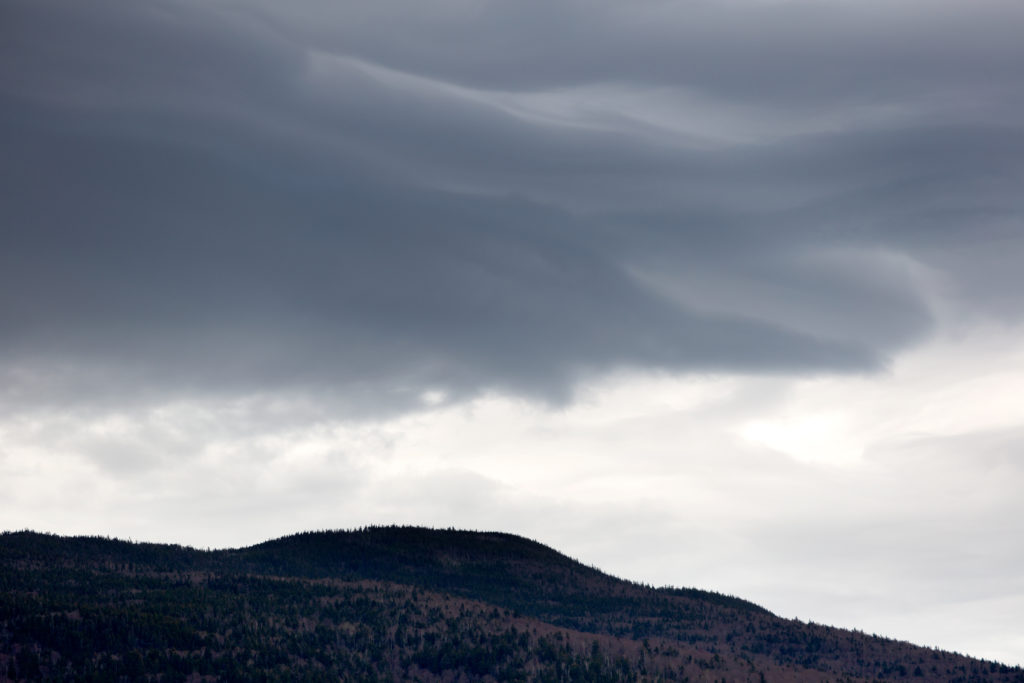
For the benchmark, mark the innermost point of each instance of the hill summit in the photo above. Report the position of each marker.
(402, 603)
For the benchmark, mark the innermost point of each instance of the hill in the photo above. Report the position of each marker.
(402, 603)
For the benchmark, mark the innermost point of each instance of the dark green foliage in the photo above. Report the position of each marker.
(400, 603)
(715, 599)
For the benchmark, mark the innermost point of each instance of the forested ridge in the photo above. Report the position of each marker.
(402, 603)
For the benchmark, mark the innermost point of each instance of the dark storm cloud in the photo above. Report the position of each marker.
(789, 51)
(237, 197)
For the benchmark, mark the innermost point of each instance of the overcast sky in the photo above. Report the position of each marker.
(714, 293)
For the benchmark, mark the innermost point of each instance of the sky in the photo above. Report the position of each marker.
(715, 293)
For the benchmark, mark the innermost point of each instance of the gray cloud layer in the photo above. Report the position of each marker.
(386, 199)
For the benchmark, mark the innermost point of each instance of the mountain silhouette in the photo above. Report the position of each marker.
(403, 603)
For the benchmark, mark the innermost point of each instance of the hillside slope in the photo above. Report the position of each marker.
(402, 603)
